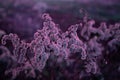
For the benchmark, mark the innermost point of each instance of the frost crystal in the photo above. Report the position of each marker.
(62, 46)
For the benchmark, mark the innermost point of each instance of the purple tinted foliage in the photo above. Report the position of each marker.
(20, 47)
(51, 46)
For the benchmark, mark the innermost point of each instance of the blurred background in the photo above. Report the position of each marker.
(23, 16)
